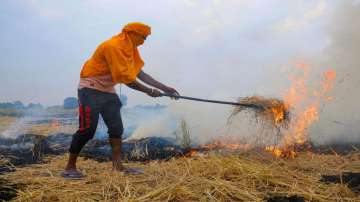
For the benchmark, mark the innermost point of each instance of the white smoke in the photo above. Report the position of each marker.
(340, 119)
(159, 125)
(205, 121)
(15, 129)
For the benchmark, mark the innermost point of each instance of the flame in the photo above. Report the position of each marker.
(279, 113)
(305, 103)
(303, 100)
(281, 152)
(191, 153)
(274, 111)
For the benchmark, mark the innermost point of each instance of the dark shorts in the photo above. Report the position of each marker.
(92, 103)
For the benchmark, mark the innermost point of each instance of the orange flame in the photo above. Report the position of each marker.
(191, 153)
(306, 107)
(304, 101)
(281, 152)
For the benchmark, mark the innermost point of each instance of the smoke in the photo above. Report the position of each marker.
(205, 121)
(15, 129)
(162, 124)
(39, 122)
(339, 121)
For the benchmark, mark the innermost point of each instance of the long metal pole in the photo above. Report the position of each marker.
(213, 101)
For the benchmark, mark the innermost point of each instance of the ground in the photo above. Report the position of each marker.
(251, 176)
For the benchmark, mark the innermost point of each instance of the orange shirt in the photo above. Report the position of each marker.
(117, 57)
(116, 60)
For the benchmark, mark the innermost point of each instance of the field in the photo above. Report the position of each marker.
(243, 177)
(254, 175)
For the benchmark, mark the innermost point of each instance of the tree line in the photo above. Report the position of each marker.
(68, 103)
(20, 105)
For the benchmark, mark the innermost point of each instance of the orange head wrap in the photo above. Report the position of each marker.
(118, 56)
(137, 27)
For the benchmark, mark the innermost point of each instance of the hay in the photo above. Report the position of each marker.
(246, 177)
(269, 111)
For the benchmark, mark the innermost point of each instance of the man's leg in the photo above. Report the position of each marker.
(88, 120)
(71, 164)
(116, 153)
(112, 119)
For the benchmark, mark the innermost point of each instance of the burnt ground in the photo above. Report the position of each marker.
(30, 149)
(7, 189)
(349, 178)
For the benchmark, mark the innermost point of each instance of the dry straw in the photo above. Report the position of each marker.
(269, 111)
(245, 177)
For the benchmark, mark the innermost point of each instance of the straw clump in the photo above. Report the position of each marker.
(246, 177)
(269, 111)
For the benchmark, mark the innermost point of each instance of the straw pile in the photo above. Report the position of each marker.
(246, 177)
(269, 111)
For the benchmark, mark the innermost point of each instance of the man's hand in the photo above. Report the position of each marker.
(152, 82)
(154, 92)
(170, 90)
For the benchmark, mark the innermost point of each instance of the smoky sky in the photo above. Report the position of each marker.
(210, 49)
(203, 48)
(340, 118)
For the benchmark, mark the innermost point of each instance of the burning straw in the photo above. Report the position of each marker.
(268, 111)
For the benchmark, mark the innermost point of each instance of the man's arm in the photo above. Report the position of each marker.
(146, 78)
(140, 87)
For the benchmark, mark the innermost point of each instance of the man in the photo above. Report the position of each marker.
(116, 60)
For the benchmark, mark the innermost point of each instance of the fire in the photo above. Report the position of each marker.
(281, 152)
(191, 153)
(279, 113)
(305, 103)
(271, 111)
(302, 100)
